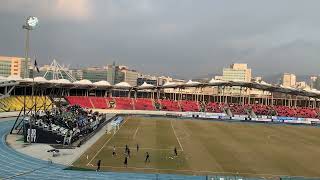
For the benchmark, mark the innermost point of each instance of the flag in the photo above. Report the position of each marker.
(36, 65)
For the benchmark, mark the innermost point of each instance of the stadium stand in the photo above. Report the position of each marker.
(16, 103)
(214, 107)
(123, 103)
(238, 109)
(262, 109)
(79, 100)
(144, 104)
(99, 102)
(191, 106)
(169, 105)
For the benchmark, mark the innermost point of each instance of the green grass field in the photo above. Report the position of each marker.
(209, 147)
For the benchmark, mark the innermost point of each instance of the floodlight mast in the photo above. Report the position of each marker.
(31, 24)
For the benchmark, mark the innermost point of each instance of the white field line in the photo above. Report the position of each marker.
(135, 134)
(176, 135)
(105, 143)
(194, 171)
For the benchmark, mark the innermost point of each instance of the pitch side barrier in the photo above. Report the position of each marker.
(219, 116)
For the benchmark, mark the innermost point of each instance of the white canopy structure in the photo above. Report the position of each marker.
(40, 79)
(14, 77)
(63, 81)
(146, 85)
(190, 82)
(123, 84)
(212, 81)
(83, 82)
(102, 83)
(169, 84)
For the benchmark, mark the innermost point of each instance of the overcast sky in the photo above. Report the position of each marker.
(171, 37)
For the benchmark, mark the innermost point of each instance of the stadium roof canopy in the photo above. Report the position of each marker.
(83, 84)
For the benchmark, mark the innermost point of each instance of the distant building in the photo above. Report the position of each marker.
(302, 85)
(289, 80)
(95, 74)
(12, 66)
(142, 78)
(237, 72)
(129, 76)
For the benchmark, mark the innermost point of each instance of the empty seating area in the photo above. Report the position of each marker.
(169, 105)
(123, 103)
(144, 104)
(82, 101)
(16, 103)
(191, 106)
(99, 102)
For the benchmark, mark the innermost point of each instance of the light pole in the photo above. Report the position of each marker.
(31, 24)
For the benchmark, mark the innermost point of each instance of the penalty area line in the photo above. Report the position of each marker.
(105, 144)
(176, 136)
(135, 134)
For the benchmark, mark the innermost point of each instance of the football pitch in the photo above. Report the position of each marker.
(208, 148)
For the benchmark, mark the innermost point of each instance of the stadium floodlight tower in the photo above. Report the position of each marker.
(31, 23)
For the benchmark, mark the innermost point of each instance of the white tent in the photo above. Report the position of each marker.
(123, 84)
(169, 84)
(27, 79)
(146, 85)
(63, 81)
(14, 77)
(102, 83)
(83, 82)
(190, 82)
(40, 79)
(215, 81)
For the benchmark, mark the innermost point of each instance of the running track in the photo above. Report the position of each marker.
(14, 165)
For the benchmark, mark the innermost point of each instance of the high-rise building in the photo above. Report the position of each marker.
(130, 76)
(237, 72)
(12, 66)
(289, 80)
(95, 74)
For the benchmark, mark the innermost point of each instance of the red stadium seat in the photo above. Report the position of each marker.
(123, 103)
(144, 104)
(169, 105)
(191, 106)
(98, 102)
(214, 107)
(82, 101)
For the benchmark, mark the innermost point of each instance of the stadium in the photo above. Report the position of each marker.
(62, 129)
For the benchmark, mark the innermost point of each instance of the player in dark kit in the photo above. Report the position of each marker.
(175, 151)
(114, 151)
(98, 165)
(125, 163)
(147, 158)
(137, 147)
(128, 151)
